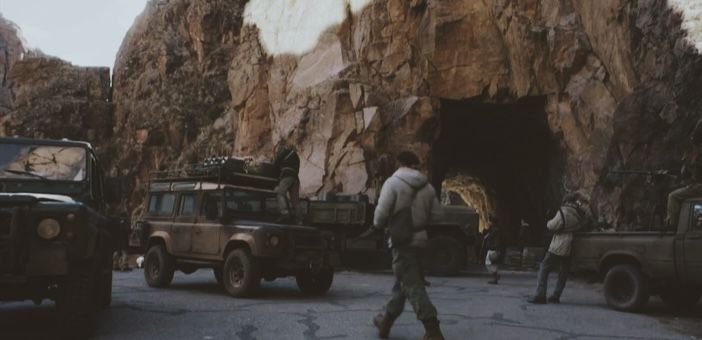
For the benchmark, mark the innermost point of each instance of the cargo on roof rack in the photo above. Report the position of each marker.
(222, 170)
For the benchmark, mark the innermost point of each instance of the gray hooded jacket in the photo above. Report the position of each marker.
(397, 193)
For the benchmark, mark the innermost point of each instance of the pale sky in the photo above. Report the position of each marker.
(84, 32)
(89, 32)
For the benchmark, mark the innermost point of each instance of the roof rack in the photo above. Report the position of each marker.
(222, 171)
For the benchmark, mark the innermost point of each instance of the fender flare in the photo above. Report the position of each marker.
(163, 236)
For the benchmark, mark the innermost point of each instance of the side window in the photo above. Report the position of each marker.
(161, 204)
(212, 206)
(697, 216)
(153, 203)
(187, 205)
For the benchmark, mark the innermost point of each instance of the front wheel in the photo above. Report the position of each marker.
(625, 288)
(241, 273)
(445, 256)
(159, 267)
(76, 308)
(104, 290)
(315, 283)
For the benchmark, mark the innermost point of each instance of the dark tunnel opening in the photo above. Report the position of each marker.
(500, 158)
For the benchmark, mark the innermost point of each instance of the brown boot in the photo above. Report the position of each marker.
(432, 330)
(383, 322)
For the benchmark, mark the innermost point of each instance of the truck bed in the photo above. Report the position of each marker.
(653, 251)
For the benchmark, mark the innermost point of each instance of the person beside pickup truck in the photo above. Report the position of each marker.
(571, 216)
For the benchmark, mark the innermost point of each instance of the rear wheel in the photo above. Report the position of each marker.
(159, 267)
(445, 256)
(625, 288)
(315, 283)
(681, 298)
(75, 304)
(241, 273)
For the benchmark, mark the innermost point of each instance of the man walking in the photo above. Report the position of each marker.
(407, 188)
(287, 162)
(572, 215)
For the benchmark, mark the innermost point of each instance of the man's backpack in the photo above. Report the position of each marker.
(401, 226)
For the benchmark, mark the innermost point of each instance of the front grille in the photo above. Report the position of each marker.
(308, 241)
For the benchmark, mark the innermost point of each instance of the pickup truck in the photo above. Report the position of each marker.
(636, 265)
(451, 237)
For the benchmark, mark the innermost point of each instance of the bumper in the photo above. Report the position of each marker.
(48, 259)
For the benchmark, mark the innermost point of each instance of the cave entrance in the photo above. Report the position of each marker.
(499, 158)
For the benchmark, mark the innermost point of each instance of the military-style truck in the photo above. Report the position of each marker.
(211, 217)
(636, 265)
(451, 237)
(55, 241)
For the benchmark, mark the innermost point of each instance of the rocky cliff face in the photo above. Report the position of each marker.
(170, 83)
(510, 103)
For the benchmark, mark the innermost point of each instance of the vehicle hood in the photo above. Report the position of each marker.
(39, 197)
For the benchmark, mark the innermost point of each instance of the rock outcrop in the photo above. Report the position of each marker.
(54, 99)
(510, 103)
(597, 85)
(170, 83)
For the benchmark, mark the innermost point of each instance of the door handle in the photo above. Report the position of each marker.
(198, 232)
(694, 237)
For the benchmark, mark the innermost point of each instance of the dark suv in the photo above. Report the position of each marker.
(54, 239)
(192, 223)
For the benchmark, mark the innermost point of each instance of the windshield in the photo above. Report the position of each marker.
(42, 162)
(251, 202)
(259, 203)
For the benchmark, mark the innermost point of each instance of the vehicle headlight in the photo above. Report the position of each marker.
(48, 228)
(274, 241)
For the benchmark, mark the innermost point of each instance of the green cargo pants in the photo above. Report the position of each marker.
(409, 285)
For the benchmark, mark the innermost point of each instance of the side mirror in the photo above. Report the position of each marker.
(112, 190)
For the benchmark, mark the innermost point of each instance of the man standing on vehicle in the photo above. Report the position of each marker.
(571, 216)
(407, 188)
(287, 162)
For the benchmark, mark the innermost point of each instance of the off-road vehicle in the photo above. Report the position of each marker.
(225, 220)
(54, 239)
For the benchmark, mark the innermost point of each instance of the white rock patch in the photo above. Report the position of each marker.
(294, 26)
(692, 20)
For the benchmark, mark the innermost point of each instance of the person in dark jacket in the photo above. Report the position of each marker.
(287, 162)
